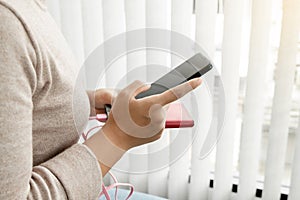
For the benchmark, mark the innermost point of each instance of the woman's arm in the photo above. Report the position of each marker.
(73, 174)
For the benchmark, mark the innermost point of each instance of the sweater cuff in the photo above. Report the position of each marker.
(78, 171)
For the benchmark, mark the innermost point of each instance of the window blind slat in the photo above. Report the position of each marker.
(114, 24)
(284, 80)
(255, 98)
(181, 17)
(158, 180)
(70, 12)
(135, 19)
(206, 12)
(157, 16)
(200, 168)
(295, 182)
(231, 47)
(92, 25)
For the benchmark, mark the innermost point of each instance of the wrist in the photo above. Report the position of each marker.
(117, 137)
(106, 152)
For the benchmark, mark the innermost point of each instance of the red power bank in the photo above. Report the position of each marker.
(177, 116)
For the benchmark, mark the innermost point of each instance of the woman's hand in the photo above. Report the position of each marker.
(133, 122)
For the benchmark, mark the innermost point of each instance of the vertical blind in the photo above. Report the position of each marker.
(255, 99)
(284, 82)
(242, 47)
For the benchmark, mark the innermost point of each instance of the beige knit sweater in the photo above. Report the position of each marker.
(40, 157)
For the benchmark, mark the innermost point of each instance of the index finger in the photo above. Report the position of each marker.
(177, 92)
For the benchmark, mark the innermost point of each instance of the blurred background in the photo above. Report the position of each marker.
(255, 46)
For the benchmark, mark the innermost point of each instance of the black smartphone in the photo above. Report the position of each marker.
(194, 67)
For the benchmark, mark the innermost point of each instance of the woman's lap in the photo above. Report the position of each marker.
(122, 194)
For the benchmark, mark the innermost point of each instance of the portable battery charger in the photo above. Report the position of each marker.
(177, 116)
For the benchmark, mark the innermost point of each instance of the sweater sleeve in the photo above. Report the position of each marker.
(73, 174)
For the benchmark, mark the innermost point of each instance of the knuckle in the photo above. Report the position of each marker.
(192, 85)
(138, 82)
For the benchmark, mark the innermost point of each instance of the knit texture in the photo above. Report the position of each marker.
(40, 156)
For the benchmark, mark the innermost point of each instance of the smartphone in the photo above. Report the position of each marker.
(194, 67)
